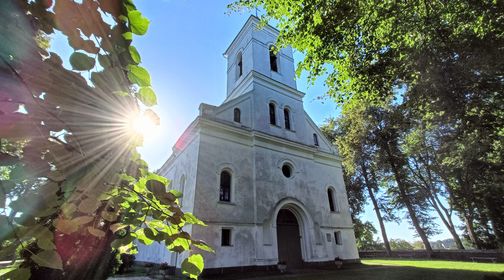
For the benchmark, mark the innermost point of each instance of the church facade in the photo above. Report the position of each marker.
(258, 171)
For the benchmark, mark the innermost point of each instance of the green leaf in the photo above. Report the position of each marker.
(81, 62)
(140, 235)
(49, 259)
(15, 273)
(88, 205)
(128, 36)
(134, 54)
(202, 245)
(147, 96)
(104, 60)
(82, 220)
(139, 75)
(117, 226)
(193, 266)
(138, 23)
(191, 219)
(66, 226)
(96, 232)
(45, 239)
(116, 244)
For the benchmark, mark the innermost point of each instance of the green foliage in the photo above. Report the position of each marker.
(139, 76)
(138, 23)
(147, 96)
(440, 65)
(72, 185)
(193, 266)
(400, 244)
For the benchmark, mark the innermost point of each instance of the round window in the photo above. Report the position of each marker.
(287, 170)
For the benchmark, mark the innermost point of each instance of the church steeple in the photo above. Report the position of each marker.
(252, 52)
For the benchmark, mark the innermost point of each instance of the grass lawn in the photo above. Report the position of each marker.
(438, 264)
(389, 269)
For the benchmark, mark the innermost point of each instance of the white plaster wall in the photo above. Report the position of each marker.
(225, 112)
(183, 164)
(256, 165)
(262, 97)
(254, 44)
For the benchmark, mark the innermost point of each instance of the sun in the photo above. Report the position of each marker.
(143, 124)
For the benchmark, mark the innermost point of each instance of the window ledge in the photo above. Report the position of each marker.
(226, 202)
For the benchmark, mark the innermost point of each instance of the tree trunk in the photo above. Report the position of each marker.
(401, 184)
(468, 220)
(377, 211)
(449, 225)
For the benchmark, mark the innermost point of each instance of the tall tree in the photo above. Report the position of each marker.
(441, 59)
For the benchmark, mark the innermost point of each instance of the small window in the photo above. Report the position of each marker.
(330, 196)
(273, 60)
(272, 114)
(237, 115)
(287, 118)
(226, 237)
(337, 237)
(287, 170)
(239, 65)
(225, 186)
(315, 139)
(328, 237)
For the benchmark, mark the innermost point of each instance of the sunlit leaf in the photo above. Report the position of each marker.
(193, 266)
(191, 219)
(138, 23)
(117, 226)
(202, 245)
(147, 96)
(134, 54)
(138, 75)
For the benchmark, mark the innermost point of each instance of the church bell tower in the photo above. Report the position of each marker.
(253, 52)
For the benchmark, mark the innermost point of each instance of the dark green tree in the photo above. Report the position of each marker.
(440, 59)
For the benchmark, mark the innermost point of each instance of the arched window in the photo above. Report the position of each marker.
(330, 196)
(272, 114)
(239, 65)
(287, 118)
(315, 139)
(225, 186)
(273, 59)
(237, 115)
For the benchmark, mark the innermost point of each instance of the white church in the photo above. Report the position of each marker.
(258, 171)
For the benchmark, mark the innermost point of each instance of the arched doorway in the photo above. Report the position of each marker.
(288, 239)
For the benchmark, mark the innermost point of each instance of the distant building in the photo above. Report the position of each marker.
(258, 171)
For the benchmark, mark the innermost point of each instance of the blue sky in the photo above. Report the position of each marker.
(183, 52)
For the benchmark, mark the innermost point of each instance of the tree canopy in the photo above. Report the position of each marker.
(72, 185)
(439, 65)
